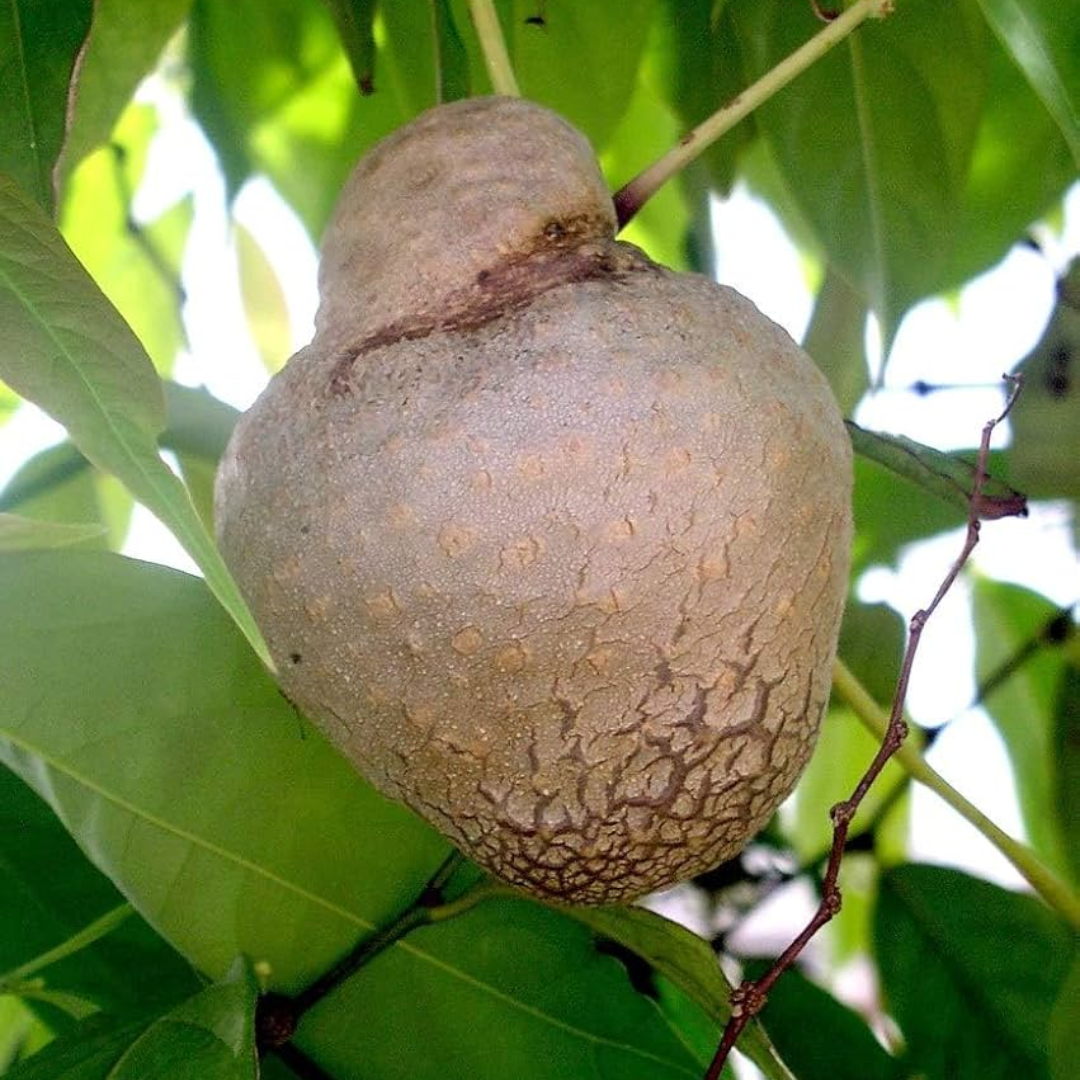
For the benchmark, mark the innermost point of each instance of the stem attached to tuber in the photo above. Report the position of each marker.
(632, 196)
(748, 999)
(493, 46)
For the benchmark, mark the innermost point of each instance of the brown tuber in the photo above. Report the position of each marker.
(550, 540)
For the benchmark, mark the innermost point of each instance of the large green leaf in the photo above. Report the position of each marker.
(136, 265)
(425, 59)
(949, 477)
(50, 891)
(265, 309)
(210, 1036)
(87, 1052)
(1004, 193)
(970, 971)
(1023, 706)
(576, 61)
(891, 511)
(689, 964)
(69, 351)
(820, 1037)
(1043, 37)
(130, 700)
(119, 52)
(1065, 1027)
(355, 23)
(579, 59)
(844, 750)
(1045, 453)
(510, 989)
(272, 87)
(836, 340)
(1065, 783)
(40, 42)
(880, 183)
(693, 63)
(55, 485)
(18, 533)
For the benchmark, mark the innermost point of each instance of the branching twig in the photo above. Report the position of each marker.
(278, 1015)
(748, 999)
(631, 197)
(1055, 892)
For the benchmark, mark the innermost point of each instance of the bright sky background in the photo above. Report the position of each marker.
(972, 340)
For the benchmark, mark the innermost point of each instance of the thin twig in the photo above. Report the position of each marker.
(632, 196)
(493, 46)
(279, 1015)
(1052, 889)
(749, 998)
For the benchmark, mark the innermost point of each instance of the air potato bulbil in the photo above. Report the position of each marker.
(551, 541)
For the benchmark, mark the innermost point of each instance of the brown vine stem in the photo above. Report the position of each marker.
(632, 196)
(749, 998)
(278, 1016)
(1039, 876)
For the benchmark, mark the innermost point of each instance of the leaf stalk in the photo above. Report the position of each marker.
(493, 46)
(632, 196)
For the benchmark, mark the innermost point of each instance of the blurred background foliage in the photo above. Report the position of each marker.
(211, 823)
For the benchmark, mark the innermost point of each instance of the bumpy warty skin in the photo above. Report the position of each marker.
(557, 552)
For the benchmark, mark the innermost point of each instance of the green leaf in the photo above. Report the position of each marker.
(87, 1052)
(970, 972)
(880, 182)
(19, 533)
(823, 1039)
(292, 99)
(890, 512)
(1003, 195)
(689, 964)
(1065, 783)
(19, 1029)
(9, 402)
(131, 701)
(52, 892)
(425, 60)
(137, 266)
(211, 1036)
(1022, 707)
(69, 351)
(263, 297)
(512, 988)
(872, 640)
(40, 41)
(355, 23)
(119, 52)
(579, 59)
(181, 698)
(1065, 1027)
(1045, 452)
(950, 477)
(1043, 37)
(693, 63)
(836, 340)
(697, 1029)
(844, 750)
(56, 485)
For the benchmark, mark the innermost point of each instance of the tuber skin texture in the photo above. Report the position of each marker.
(551, 541)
